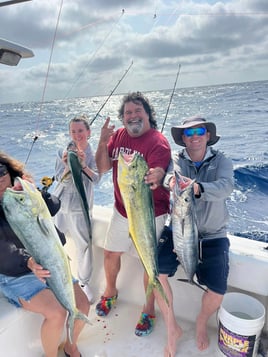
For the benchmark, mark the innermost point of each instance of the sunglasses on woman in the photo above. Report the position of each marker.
(194, 131)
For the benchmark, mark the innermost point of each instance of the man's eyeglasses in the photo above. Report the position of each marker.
(3, 170)
(197, 131)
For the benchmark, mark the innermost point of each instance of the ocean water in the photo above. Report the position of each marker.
(33, 132)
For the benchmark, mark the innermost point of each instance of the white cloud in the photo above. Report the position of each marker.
(216, 42)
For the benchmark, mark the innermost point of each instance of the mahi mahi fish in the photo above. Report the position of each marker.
(185, 233)
(138, 202)
(76, 170)
(28, 216)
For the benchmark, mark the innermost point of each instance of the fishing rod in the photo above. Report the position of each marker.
(120, 80)
(45, 84)
(110, 30)
(170, 100)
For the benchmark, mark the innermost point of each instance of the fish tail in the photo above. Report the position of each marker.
(70, 327)
(78, 315)
(193, 283)
(155, 284)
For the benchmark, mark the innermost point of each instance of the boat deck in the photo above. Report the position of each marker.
(114, 335)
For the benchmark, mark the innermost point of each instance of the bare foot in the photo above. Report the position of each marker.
(202, 340)
(171, 348)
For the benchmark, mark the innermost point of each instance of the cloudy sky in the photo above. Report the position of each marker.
(84, 47)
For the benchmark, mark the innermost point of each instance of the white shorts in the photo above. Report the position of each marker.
(117, 237)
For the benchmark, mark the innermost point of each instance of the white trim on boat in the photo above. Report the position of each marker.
(11, 52)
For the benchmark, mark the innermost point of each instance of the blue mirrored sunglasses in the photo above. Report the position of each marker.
(197, 131)
(3, 170)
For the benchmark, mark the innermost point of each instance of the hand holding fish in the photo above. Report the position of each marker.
(184, 182)
(154, 177)
(38, 270)
(81, 157)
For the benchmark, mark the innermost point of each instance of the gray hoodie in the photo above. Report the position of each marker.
(215, 176)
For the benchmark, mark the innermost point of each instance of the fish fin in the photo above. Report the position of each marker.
(156, 285)
(70, 324)
(43, 226)
(182, 226)
(87, 175)
(192, 283)
(80, 316)
(70, 327)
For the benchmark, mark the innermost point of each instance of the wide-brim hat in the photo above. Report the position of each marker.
(177, 131)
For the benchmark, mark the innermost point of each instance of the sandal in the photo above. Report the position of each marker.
(105, 305)
(145, 324)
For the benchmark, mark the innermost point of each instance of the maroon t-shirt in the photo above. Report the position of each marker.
(155, 149)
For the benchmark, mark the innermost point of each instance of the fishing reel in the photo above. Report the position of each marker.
(47, 181)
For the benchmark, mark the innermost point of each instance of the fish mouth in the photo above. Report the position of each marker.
(182, 183)
(72, 146)
(20, 186)
(128, 158)
(17, 187)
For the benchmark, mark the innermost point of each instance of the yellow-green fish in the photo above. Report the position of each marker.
(76, 170)
(29, 218)
(138, 202)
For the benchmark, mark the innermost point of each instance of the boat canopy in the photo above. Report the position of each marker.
(11, 53)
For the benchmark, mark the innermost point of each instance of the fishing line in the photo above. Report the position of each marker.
(45, 85)
(94, 54)
(170, 100)
(46, 79)
(120, 80)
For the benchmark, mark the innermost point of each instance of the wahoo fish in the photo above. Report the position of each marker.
(28, 216)
(185, 233)
(138, 202)
(76, 170)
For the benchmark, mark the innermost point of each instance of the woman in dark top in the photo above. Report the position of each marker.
(23, 281)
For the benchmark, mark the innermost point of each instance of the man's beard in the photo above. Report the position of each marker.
(135, 127)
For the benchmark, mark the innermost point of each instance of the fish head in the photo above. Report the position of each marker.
(131, 168)
(72, 146)
(22, 200)
(183, 189)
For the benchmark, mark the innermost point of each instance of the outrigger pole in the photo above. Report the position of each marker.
(120, 80)
(12, 2)
(170, 100)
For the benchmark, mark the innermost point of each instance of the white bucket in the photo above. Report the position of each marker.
(241, 319)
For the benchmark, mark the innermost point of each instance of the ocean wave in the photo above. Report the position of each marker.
(261, 236)
(253, 177)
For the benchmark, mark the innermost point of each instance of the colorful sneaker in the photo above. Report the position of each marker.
(145, 324)
(105, 305)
